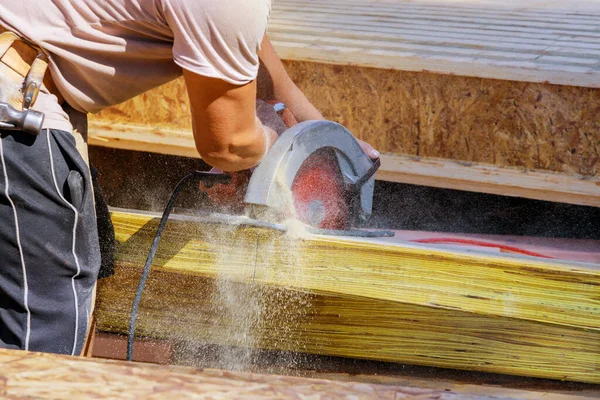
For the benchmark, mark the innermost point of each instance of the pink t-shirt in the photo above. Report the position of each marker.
(105, 52)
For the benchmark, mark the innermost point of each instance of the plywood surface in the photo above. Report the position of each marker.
(502, 123)
(362, 299)
(26, 375)
(528, 41)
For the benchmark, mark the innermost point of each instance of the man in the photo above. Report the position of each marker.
(102, 53)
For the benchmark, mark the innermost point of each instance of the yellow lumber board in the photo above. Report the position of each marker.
(548, 291)
(180, 307)
(362, 299)
(440, 173)
(28, 375)
(522, 41)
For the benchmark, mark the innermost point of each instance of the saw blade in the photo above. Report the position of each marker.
(319, 193)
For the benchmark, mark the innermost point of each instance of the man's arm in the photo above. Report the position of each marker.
(227, 133)
(275, 83)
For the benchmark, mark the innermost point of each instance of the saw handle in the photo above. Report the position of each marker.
(367, 175)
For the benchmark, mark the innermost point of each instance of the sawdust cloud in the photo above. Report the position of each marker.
(253, 316)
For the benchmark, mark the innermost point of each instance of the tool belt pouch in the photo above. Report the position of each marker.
(22, 70)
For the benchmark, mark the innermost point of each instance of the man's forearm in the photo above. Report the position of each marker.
(227, 133)
(275, 83)
(298, 104)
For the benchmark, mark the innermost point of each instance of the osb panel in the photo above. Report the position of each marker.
(166, 106)
(505, 123)
(498, 122)
(27, 375)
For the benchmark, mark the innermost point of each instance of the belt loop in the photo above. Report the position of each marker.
(34, 80)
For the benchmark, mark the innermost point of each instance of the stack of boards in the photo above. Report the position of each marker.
(359, 298)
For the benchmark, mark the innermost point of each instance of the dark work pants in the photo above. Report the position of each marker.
(49, 252)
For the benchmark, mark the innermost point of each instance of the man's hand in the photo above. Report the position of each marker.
(369, 150)
(269, 117)
(275, 83)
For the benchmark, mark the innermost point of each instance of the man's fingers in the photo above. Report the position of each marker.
(369, 150)
(286, 116)
(269, 117)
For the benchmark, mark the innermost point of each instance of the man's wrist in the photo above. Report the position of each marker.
(269, 137)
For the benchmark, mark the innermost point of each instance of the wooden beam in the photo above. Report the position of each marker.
(135, 137)
(27, 375)
(371, 299)
(449, 174)
(446, 174)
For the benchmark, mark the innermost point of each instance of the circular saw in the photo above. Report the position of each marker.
(316, 172)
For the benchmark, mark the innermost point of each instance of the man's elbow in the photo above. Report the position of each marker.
(230, 157)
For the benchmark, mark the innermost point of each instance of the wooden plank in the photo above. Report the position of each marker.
(489, 179)
(390, 31)
(578, 9)
(466, 66)
(575, 7)
(557, 38)
(371, 299)
(423, 36)
(142, 138)
(469, 16)
(481, 29)
(27, 375)
(437, 173)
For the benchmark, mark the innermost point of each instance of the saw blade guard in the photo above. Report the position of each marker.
(271, 182)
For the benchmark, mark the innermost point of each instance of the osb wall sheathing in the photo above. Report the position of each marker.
(505, 123)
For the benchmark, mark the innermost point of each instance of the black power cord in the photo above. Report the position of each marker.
(209, 179)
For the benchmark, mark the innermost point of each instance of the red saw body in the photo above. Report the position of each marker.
(319, 193)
